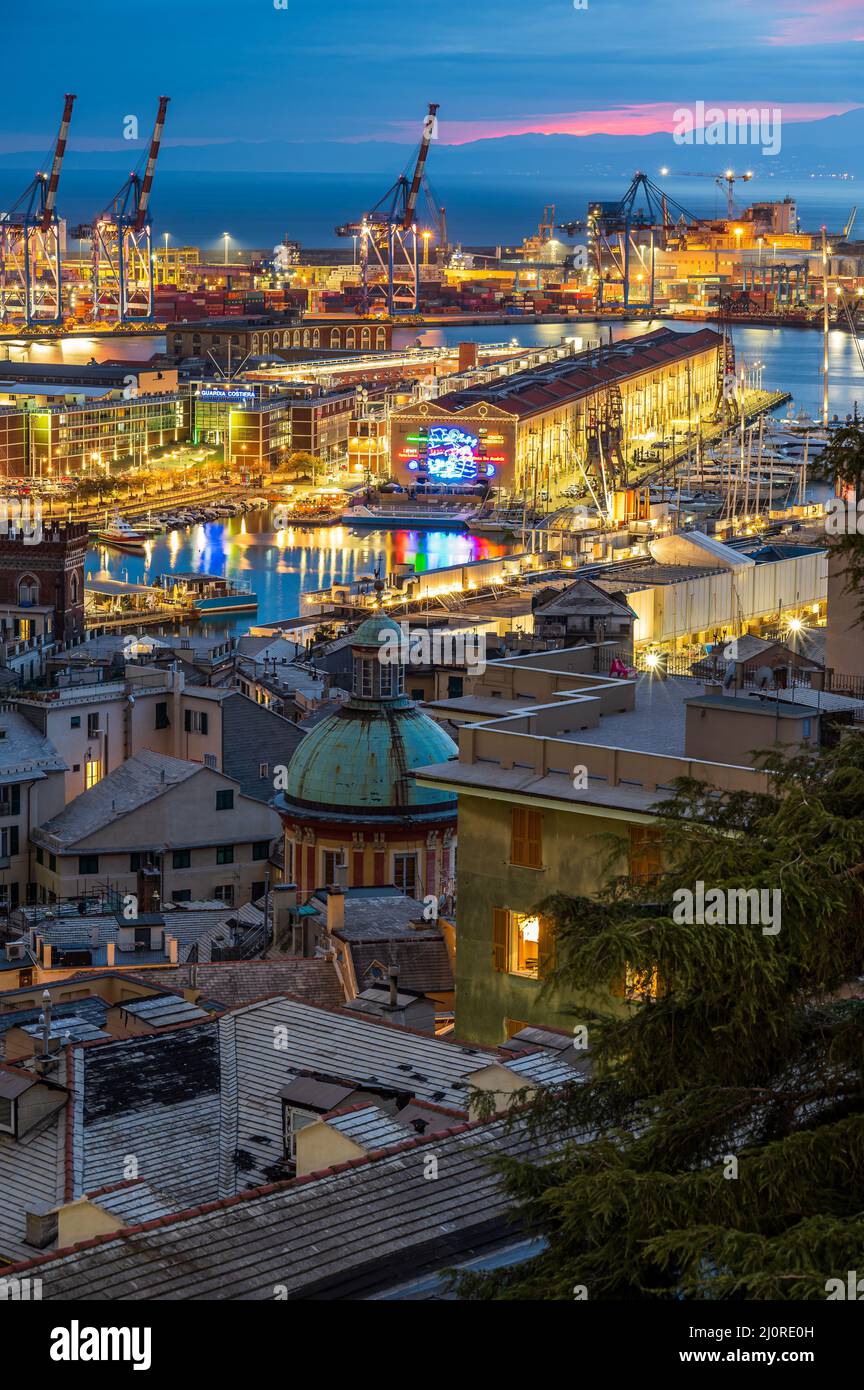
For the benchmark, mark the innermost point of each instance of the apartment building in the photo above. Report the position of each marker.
(554, 759)
(31, 790)
(208, 839)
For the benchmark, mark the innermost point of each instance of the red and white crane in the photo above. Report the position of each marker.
(30, 268)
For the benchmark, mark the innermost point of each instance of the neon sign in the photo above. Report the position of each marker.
(451, 456)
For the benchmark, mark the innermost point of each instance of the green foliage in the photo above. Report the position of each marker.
(842, 462)
(752, 1051)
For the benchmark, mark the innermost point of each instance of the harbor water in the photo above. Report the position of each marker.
(283, 565)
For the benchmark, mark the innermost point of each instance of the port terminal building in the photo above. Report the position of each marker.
(531, 433)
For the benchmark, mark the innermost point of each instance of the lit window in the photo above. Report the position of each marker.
(641, 984)
(523, 943)
(92, 772)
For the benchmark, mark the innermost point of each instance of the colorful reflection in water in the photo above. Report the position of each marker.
(282, 565)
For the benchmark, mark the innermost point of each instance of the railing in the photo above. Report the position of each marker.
(713, 667)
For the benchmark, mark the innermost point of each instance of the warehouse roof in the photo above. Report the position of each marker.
(540, 388)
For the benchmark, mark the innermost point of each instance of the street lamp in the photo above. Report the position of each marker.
(226, 237)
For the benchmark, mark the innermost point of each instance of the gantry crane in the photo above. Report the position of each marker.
(612, 233)
(726, 181)
(30, 269)
(388, 236)
(122, 274)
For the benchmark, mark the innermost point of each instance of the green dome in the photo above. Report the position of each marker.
(361, 758)
(371, 630)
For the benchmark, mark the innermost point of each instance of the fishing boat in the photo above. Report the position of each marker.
(121, 535)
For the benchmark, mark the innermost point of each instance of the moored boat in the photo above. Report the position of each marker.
(119, 534)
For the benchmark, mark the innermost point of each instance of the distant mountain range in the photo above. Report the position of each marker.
(834, 144)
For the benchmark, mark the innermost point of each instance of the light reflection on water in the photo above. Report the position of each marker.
(281, 565)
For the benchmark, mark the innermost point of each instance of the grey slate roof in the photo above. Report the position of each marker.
(157, 1098)
(163, 1011)
(252, 735)
(337, 1046)
(367, 1125)
(31, 1173)
(133, 1202)
(240, 981)
(422, 962)
(133, 784)
(200, 1106)
(583, 596)
(341, 1235)
(24, 752)
(374, 914)
(92, 1011)
(545, 1070)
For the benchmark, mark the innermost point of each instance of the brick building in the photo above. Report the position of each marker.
(47, 572)
(285, 336)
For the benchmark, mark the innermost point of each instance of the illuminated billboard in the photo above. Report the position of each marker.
(447, 454)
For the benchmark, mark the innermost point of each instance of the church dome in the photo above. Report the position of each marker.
(361, 758)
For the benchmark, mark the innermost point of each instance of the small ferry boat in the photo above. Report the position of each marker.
(432, 518)
(121, 535)
(209, 593)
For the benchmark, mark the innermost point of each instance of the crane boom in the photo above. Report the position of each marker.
(147, 180)
(57, 164)
(847, 230)
(430, 131)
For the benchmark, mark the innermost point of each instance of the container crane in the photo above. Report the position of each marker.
(30, 268)
(726, 181)
(612, 237)
(122, 273)
(388, 236)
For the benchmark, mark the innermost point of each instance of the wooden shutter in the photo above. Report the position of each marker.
(500, 931)
(546, 952)
(519, 835)
(645, 858)
(526, 842)
(535, 840)
(618, 984)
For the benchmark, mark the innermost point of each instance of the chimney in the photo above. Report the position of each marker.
(393, 976)
(46, 1022)
(335, 910)
(40, 1224)
(110, 948)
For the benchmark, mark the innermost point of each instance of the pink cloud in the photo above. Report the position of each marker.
(644, 119)
(831, 21)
